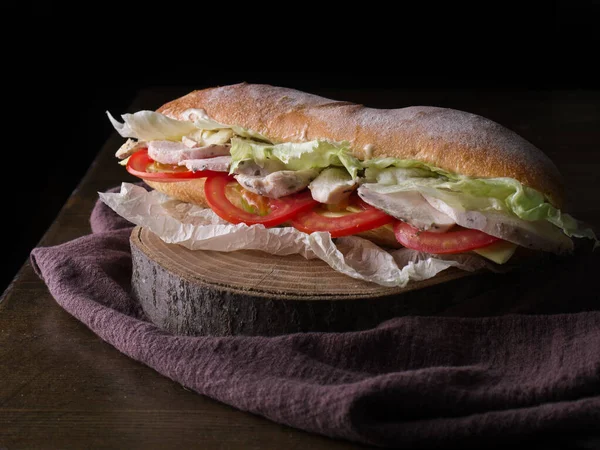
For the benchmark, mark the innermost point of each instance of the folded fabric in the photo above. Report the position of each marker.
(441, 381)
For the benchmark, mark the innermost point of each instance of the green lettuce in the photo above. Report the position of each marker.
(203, 122)
(295, 156)
(388, 175)
(151, 126)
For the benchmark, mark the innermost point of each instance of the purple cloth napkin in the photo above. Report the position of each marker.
(411, 382)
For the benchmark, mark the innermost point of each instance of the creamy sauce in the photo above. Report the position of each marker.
(368, 151)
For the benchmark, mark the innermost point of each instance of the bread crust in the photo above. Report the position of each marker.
(191, 191)
(455, 141)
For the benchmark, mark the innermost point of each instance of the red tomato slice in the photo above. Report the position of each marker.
(138, 164)
(456, 240)
(281, 210)
(368, 219)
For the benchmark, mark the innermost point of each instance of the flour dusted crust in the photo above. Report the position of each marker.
(452, 140)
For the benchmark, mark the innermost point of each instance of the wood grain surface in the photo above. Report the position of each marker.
(257, 294)
(63, 387)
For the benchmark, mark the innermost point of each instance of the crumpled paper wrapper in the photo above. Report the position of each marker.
(199, 228)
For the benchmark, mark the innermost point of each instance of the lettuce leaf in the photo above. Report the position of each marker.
(505, 195)
(201, 120)
(204, 122)
(377, 164)
(295, 156)
(151, 126)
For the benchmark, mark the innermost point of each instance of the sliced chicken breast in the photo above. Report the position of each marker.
(169, 152)
(332, 186)
(278, 184)
(216, 164)
(540, 235)
(129, 148)
(410, 207)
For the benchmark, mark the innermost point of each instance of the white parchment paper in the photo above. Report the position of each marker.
(199, 228)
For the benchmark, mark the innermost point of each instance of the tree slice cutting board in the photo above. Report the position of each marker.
(255, 293)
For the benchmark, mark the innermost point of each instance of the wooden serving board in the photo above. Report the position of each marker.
(254, 293)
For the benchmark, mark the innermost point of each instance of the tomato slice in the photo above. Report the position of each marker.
(280, 210)
(367, 219)
(140, 161)
(456, 240)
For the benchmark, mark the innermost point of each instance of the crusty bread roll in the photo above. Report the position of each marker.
(452, 140)
(191, 191)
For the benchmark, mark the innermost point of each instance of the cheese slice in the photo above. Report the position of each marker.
(499, 251)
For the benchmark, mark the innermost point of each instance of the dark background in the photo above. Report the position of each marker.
(61, 92)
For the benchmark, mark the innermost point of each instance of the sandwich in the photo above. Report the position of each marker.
(435, 180)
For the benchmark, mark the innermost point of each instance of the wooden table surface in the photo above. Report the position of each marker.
(63, 387)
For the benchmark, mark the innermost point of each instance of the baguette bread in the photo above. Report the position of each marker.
(455, 141)
(191, 191)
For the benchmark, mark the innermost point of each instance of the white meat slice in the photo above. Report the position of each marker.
(129, 148)
(540, 235)
(216, 164)
(248, 167)
(278, 184)
(169, 152)
(410, 207)
(332, 186)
